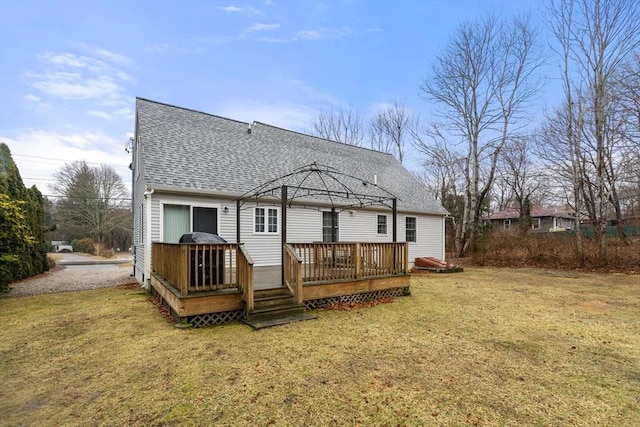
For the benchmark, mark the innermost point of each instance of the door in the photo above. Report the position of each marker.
(175, 222)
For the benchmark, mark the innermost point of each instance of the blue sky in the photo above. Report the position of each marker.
(70, 70)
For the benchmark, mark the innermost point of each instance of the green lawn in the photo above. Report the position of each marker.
(485, 347)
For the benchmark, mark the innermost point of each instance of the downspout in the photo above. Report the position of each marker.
(147, 238)
(444, 237)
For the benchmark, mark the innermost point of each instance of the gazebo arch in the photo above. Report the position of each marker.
(317, 182)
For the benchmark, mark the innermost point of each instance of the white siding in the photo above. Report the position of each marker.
(429, 236)
(305, 225)
(362, 226)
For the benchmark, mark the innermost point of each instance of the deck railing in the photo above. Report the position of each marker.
(195, 267)
(344, 261)
(293, 272)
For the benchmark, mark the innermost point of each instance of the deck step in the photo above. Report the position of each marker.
(278, 291)
(273, 301)
(275, 311)
(278, 320)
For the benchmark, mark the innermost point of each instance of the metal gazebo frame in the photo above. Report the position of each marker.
(327, 175)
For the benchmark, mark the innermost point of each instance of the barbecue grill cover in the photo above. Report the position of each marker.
(201, 237)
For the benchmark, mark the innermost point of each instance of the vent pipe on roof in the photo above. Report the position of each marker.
(375, 179)
(249, 129)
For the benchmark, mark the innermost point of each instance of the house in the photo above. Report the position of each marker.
(294, 209)
(542, 219)
(61, 246)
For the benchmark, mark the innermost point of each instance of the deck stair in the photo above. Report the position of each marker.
(274, 307)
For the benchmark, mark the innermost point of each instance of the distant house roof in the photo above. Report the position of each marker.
(536, 212)
(184, 149)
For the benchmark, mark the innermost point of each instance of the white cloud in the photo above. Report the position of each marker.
(309, 35)
(162, 48)
(237, 9)
(263, 27)
(39, 154)
(110, 56)
(100, 114)
(286, 115)
(71, 76)
(324, 33)
(230, 9)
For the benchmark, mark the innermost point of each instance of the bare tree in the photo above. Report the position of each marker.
(518, 177)
(595, 37)
(442, 174)
(391, 128)
(483, 81)
(91, 198)
(342, 125)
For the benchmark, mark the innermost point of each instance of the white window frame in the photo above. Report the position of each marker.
(267, 211)
(506, 224)
(535, 223)
(415, 229)
(386, 225)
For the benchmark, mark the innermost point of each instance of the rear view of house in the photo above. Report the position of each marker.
(269, 192)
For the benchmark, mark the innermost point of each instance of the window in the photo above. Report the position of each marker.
(265, 220)
(535, 223)
(329, 234)
(382, 224)
(506, 224)
(410, 226)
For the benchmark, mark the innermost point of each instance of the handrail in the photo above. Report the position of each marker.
(198, 267)
(350, 261)
(293, 272)
(245, 276)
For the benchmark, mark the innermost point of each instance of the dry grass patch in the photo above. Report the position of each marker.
(485, 347)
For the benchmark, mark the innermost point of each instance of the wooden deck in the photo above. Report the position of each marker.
(210, 284)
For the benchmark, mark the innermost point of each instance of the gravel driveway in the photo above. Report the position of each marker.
(72, 278)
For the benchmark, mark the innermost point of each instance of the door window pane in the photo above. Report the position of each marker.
(205, 219)
(175, 222)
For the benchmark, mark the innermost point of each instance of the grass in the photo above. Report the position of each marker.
(486, 347)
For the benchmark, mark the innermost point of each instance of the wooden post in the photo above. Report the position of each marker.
(283, 201)
(334, 235)
(358, 261)
(395, 230)
(406, 257)
(185, 265)
(238, 221)
(395, 220)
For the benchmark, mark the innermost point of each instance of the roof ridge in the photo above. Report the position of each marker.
(191, 110)
(321, 138)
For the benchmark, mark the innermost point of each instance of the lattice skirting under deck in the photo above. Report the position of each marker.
(211, 319)
(219, 318)
(364, 297)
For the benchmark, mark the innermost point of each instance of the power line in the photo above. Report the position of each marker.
(87, 198)
(66, 160)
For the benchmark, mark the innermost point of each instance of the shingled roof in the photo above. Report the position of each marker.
(184, 149)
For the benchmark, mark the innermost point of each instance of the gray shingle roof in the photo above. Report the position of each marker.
(191, 150)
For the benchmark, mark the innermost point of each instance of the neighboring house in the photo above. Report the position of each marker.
(194, 171)
(542, 219)
(61, 246)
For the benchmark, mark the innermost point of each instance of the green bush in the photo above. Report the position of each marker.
(84, 245)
